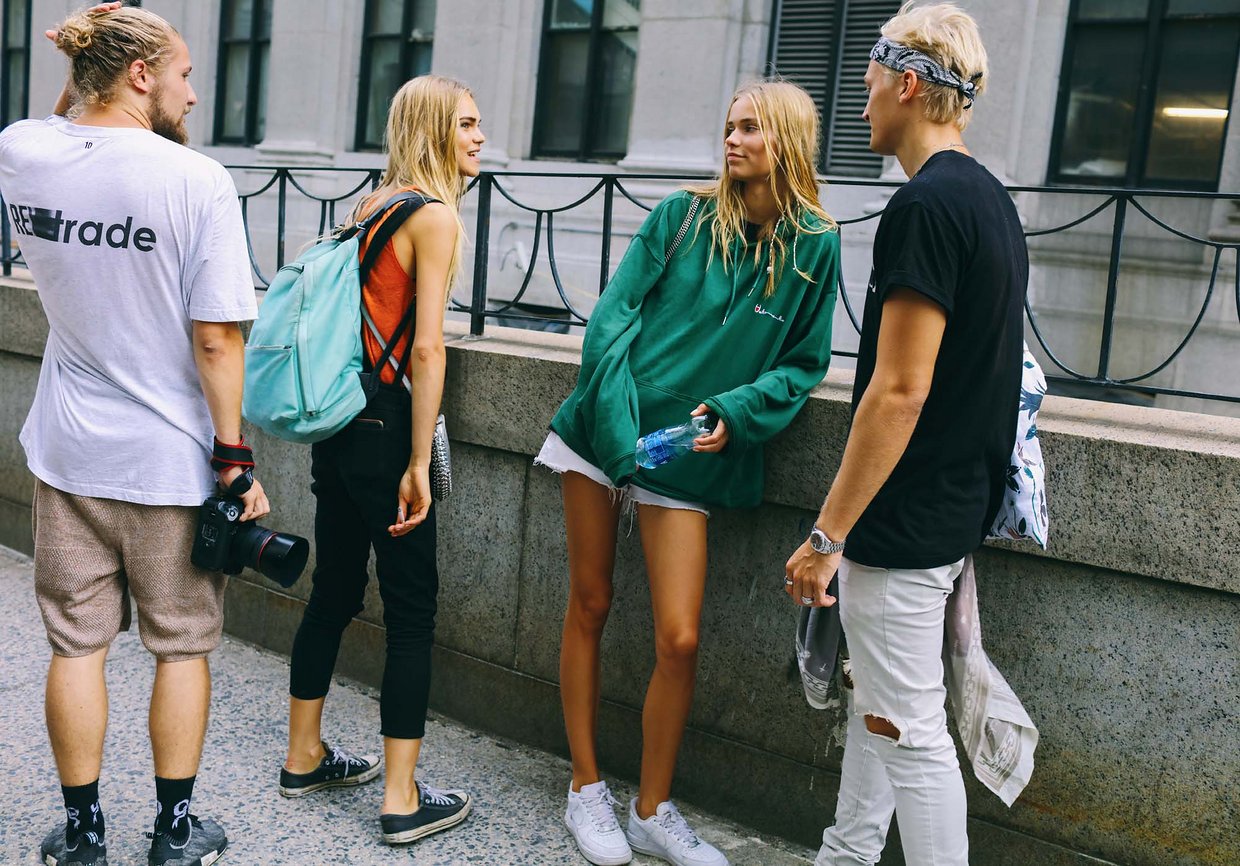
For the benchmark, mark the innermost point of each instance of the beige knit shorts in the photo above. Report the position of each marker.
(91, 554)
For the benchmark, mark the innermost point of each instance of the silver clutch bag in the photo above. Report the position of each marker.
(441, 462)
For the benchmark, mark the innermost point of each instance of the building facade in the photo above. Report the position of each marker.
(1126, 94)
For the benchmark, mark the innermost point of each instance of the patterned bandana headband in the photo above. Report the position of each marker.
(899, 57)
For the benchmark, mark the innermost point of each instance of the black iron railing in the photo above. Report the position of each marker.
(277, 192)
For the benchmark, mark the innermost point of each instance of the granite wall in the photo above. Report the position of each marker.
(1121, 638)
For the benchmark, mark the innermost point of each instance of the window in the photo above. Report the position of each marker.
(397, 38)
(825, 48)
(1145, 92)
(15, 56)
(585, 79)
(241, 81)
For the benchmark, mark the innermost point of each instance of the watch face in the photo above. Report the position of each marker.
(818, 540)
(822, 544)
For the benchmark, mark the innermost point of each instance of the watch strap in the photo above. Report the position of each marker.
(822, 543)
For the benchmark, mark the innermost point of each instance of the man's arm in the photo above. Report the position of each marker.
(219, 353)
(908, 347)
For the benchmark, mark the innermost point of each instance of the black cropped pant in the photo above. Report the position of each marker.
(356, 474)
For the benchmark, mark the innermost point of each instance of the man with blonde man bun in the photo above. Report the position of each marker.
(934, 419)
(137, 247)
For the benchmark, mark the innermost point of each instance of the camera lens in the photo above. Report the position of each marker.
(277, 555)
(283, 558)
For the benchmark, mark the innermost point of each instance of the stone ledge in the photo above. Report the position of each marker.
(23, 328)
(1132, 489)
(15, 526)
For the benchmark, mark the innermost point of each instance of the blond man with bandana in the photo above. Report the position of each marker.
(935, 405)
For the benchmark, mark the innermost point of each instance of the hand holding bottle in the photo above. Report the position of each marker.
(715, 440)
(704, 431)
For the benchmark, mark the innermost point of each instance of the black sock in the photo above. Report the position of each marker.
(82, 811)
(172, 796)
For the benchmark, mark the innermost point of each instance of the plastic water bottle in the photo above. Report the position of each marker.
(655, 449)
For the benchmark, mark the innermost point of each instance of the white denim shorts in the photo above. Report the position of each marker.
(559, 458)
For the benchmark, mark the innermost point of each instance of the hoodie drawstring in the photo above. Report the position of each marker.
(770, 266)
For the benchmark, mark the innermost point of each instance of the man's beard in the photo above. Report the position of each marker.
(163, 123)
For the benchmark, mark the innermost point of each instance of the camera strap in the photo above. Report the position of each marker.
(223, 455)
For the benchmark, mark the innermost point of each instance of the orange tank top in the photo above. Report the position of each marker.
(386, 295)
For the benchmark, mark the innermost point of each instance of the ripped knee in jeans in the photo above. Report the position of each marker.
(881, 726)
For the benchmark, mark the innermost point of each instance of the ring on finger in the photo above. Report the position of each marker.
(805, 599)
(787, 581)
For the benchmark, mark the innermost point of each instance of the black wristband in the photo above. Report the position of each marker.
(224, 456)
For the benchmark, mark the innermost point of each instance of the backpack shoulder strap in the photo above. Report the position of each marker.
(684, 228)
(343, 233)
(405, 203)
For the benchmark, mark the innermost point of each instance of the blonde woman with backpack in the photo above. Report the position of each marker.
(737, 323)
(371, 480)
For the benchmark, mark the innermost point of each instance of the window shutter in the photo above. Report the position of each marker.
(804, 44)
(848, 151)
(809, 49)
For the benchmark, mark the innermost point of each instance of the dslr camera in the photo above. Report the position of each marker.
(224, 543)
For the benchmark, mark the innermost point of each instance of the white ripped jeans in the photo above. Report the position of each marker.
(893, 620)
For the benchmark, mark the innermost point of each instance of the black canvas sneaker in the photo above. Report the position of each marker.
(437, 810)
(88, 849)
(338, 768)
(200, 842)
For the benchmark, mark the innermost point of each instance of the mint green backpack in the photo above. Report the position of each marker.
(303, 362)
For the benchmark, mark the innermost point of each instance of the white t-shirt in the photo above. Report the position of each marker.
(130, 237)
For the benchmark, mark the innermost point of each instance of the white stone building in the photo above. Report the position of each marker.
(1126, 93)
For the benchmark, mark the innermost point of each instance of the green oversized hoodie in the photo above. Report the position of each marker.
(662, 340)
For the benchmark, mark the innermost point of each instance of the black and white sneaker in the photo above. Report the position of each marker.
(88, 849)
(338, 768)
(437, 810)
(201, 844)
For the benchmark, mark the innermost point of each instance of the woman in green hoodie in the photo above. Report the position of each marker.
(737, 322)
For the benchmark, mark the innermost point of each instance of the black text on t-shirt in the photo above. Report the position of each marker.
(52, 226)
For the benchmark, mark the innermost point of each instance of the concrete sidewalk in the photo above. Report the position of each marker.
(518, 791)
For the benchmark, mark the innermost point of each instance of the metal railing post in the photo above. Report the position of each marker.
(482, 255)
(281, 216)
(1108, 313)
(609, 197)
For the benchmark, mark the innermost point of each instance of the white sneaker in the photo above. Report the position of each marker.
(596, 831)
(666, 834)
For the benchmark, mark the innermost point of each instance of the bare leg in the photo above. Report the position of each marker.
(400, 795)
(674, 541)
(305, 735)
(180, 702)
(590, 518)
(76, 704)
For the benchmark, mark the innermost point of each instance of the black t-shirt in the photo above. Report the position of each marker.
(952, 234)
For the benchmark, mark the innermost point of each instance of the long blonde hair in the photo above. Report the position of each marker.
(420, 142)
(788, 122)
(101, 46)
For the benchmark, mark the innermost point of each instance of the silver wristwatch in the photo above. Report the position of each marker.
(821, 544)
